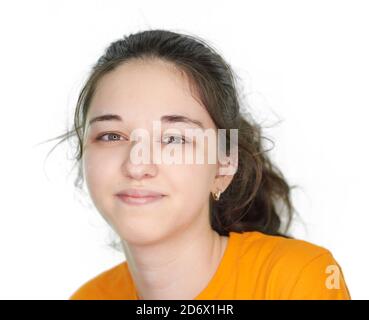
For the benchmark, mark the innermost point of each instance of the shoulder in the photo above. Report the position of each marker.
(277, 248)
(101, 285)
(293, 268)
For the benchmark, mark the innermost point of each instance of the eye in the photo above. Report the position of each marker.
(109, 134)
(177, 137)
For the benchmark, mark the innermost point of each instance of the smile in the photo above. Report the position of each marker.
(139, 200)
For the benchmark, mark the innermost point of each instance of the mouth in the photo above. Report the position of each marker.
(139, 200)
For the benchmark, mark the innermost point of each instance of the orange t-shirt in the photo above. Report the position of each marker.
(255, 266)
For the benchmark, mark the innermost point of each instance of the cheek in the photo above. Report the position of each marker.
(98, 170)
(191, 182)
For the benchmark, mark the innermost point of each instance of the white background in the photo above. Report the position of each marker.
(303, 63)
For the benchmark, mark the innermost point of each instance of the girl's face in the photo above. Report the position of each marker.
(139, 93)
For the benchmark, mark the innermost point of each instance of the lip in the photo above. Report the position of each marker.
(140, 193)
(139, 196)
(139, 200)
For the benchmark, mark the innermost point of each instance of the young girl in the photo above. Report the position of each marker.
(188, 230)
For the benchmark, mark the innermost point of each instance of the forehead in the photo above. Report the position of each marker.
(148, 89)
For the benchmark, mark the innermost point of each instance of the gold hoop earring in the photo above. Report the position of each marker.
(216, 196)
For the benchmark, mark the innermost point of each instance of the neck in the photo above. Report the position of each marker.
(178, 267)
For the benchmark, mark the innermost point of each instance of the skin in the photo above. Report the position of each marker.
(171, 250)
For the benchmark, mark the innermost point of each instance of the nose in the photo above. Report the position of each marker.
(139, 163)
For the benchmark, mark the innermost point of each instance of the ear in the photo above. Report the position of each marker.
(227, 168)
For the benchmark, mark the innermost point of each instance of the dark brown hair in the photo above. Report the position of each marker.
(255, 198)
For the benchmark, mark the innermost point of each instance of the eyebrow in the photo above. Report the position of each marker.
(172, 118)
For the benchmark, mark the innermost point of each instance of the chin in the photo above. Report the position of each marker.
(139, 234)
